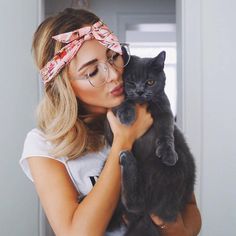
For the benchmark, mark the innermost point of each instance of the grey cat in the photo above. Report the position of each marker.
(158, 175)
(144, 81)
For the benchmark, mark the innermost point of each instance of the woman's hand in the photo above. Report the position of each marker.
(128, 134)
(188, 223)
(176, 228)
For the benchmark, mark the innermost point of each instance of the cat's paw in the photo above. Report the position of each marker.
(126, 115)
(167, 154)
(126, 158)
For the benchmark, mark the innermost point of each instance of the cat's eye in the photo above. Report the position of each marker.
(131, 83)
(150, 82)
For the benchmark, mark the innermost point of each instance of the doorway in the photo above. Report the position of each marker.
(148, 26)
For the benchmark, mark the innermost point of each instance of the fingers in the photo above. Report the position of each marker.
(144, 114)
(142, 110)
(110, 116)
(170, 228)
(156, 220)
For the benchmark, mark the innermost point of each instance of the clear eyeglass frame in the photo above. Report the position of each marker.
(103, 67)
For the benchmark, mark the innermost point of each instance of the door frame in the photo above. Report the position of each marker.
(189, 82)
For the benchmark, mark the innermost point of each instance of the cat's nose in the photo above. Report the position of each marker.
(139, 92)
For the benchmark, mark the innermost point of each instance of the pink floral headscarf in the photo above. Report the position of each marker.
(74, 40)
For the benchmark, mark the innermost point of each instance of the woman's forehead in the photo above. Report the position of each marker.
(90, 50)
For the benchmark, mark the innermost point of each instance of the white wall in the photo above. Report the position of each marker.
(206, 109)
(18, 98)
(219, 116)
(207, 50)
(109, 10)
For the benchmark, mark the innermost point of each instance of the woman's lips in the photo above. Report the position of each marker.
(118, 90)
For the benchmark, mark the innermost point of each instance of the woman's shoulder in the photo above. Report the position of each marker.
(35, 133)
(36, 145)
(35, 141)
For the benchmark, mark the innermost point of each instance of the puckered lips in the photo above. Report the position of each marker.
(118, 90)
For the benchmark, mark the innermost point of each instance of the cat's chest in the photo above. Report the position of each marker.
(145, 145)
(157, 106)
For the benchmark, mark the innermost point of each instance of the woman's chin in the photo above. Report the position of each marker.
(117, 101)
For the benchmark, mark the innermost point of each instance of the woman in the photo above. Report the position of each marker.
(82, 68)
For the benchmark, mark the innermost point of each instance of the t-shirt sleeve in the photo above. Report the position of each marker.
(35, 145)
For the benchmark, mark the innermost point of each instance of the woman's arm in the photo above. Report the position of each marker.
(192, 218)
(95, 211)
(58, 195)
(188, 223)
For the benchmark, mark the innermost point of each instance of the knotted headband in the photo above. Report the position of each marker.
(74, 40)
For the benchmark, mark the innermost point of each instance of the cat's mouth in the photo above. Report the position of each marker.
(139, 99)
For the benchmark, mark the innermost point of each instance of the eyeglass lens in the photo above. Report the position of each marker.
(98, 73)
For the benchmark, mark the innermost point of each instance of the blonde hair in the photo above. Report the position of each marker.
(58, 112)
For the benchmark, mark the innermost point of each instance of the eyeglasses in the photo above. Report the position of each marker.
(98, 73)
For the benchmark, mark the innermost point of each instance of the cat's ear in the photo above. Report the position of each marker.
(125, 53)
(161, 57)
(159, 60)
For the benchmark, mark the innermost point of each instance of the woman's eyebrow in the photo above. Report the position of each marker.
(87, 64)
(92, 61)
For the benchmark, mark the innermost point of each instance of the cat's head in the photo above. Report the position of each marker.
(144, 78)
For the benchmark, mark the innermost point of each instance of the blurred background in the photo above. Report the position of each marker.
(199, 38)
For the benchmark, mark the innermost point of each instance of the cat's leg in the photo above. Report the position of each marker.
(164, 130)
(131, 197)
(165, 147)
(165, 150)
(108, 132)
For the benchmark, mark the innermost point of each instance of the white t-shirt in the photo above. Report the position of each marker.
(83, 171)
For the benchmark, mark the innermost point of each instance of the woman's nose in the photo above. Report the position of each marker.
(113, 73)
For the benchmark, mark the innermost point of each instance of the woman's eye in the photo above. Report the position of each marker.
(150, 82)
(93, 72)
(113, 57)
